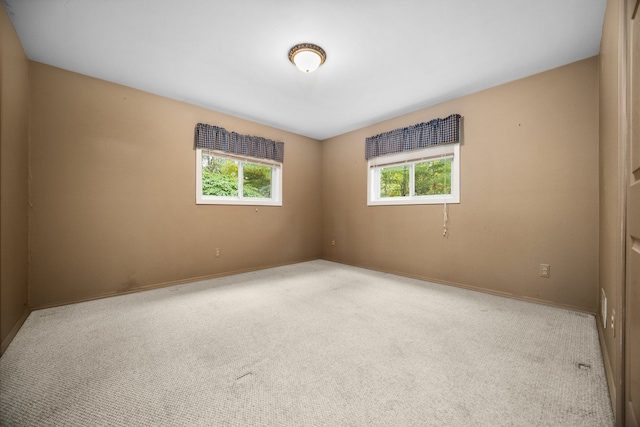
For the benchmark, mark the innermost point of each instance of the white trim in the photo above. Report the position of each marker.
(241, 158)
(415, 156)
(431, 153)
(276, 182)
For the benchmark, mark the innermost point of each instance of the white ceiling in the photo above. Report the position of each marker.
(384, 57)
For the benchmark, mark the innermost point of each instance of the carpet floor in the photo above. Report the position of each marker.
(310, 344)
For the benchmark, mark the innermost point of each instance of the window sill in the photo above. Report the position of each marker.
(240, 202)
(414, 201)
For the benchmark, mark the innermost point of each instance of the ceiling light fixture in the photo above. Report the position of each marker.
(307, 57)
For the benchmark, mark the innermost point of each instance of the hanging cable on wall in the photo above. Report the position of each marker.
(444, 189)
(444, 225)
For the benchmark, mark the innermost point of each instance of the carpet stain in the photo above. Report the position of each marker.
(51, 311)
(248, 374)
(46, 314)
(584, 366)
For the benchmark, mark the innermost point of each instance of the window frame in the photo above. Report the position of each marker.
(276, 181)
(438, 152)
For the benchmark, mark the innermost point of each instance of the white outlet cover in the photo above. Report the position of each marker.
(603, 308)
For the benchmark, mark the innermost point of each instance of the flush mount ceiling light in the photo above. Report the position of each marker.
(307, 57)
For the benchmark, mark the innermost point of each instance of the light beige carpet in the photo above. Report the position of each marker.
(311, 344)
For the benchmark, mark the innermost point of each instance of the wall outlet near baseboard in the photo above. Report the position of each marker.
(545, 270)
(613, 323)
(603, 308)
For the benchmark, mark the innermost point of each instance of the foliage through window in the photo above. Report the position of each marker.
(228, 179)
(426, 176)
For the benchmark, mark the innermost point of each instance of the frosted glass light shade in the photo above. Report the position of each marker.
(307, 57)
(306, 61)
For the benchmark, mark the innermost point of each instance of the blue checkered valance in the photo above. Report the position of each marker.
(217, 138)
(421, 135)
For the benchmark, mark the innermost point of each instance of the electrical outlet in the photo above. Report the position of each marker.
(545, 270)
(613, 323)
(217, 252)
(603, 308)
(333, 242)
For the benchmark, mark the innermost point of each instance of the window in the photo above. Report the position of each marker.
(425, 176)
(223, 178)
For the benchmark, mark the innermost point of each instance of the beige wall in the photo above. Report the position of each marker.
(14, 115)
(113, 194)
(529, 195)
(611, 252)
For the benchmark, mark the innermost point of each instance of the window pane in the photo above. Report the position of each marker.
(433, 178)
(394, 181)
(257, 181)
(219, 176)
